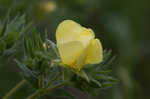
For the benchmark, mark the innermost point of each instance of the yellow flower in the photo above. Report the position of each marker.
(77, 45)
(44, 45)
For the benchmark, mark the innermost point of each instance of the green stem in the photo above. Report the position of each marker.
(41, 82)
(41, 85)
(36, 94)
(44, 91)
(14, 89)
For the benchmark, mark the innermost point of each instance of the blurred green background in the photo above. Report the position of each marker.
(121, 25)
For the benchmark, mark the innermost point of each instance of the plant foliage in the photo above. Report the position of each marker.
(41, 66)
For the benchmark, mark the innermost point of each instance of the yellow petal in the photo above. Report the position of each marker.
(95, 52)
(81, 59)
(86, 35)
(69, 52)
(76, 45)
(69, 30)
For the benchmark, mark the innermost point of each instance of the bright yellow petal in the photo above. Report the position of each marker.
(86, 35)
(95, 52)
(69, 52)
(76, 45)
(69, 30)
(81, 59)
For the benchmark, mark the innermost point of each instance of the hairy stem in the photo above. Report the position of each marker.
(14, 89)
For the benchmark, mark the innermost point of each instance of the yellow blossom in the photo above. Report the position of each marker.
(77, 45)
(44, 45)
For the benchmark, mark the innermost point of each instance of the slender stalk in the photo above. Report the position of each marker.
(41, 82)
(14, 89)
(41, 85)
(35, 95)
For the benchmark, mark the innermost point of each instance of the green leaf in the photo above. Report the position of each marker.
(67, 74)
(95, 83)
(28, 74)
(25, 44)
(54, 79)
(83, 75)
(41, 54)
(23, 68)
(53, 46)
(103, 72)
(106, 55)
(107, 84)
(3, 29)
(11, 32)
(106, 78)
(111, 60)
(95, 76)
(2, 47)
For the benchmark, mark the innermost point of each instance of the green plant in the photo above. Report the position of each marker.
(41, 65)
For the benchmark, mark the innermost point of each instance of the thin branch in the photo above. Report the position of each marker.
(41, 81)
(10, 93)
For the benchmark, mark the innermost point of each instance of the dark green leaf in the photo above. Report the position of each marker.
(95, 83)
(53, 46)
(28, 74)
(83, 75)
(103, 72)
